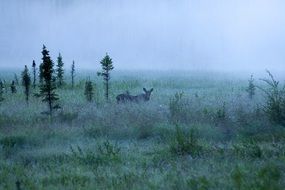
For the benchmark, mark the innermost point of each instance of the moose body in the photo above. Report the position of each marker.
(126, 97)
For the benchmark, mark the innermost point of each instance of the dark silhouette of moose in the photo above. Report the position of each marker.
(126, 97)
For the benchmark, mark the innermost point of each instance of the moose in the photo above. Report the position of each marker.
(126, 97)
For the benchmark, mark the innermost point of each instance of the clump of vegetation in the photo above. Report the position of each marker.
(185, 143)
(221, 112)
(275, 103)
(107, 66)
(47, 89)
(59, 70)
(106, 153)
(11, 143)
(201, 183)
(26, 82)
(251, 87)
(248, 149)
(176, 108)
(89, 90)
(267, 177)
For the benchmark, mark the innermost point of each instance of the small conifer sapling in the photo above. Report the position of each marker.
(34, 73)
(13, 88)
(59, 70)
(72, 73)
(88, 90)
(107, 66)
(26, 82)
(251, 87)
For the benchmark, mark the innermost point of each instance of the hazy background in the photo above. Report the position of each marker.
(146, 34)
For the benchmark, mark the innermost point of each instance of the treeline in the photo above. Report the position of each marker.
(47, 77)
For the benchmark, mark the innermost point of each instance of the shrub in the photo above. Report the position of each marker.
(201, 183)
(177, 109)
(185, 143)
(12, 143)
(248, 149)
(266, 178)
(106, 153)
(275, 104)
(88, 90)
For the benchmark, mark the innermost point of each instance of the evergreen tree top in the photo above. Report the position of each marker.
(59, 60)
(26, 77)
(45, 52)
(73, 65)
(107, 63)
(47, 65)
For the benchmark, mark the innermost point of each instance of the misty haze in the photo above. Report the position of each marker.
(162, 34)
(142, 94)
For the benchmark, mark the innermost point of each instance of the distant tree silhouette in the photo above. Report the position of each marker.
(26, 82)
(16, 79)
(48, 87)
(59, 70)
(1, 90)
(72, 73)
(251, 87)
(13, 88)
(107, 66)
(34, 73)
(88, 90)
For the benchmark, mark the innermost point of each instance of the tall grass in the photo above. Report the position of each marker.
(210, 137)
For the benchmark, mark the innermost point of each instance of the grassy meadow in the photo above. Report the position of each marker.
(198, 131)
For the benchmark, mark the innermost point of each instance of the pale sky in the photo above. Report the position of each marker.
(146, 34)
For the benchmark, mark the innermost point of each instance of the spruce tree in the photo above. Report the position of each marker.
(88, 90)
(34, 73)
(13, 88)
(72, 73)
(251, 87)
(1, 90)
(107, 66)
(26, 82)
(59, 70)
(48, 87)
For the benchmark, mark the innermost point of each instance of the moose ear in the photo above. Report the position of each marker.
(144, 89)
(151, 90)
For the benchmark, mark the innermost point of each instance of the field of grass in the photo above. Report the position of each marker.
(198, 131)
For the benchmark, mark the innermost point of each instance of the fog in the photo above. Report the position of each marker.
(146, 34)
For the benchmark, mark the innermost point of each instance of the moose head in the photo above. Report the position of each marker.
(147, 94)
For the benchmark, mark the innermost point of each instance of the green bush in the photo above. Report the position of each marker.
(185, 143)
(199, 183)
(11, 143)
(275, 100)
(248, 149)
(177, 108)
(266, 178)
(106, 153)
